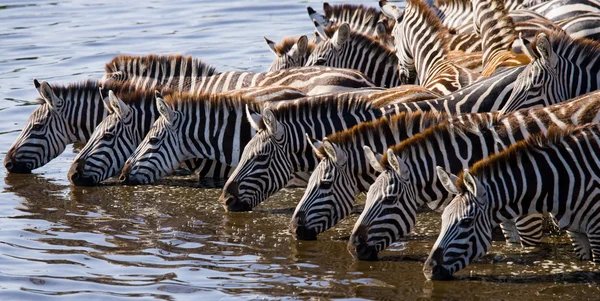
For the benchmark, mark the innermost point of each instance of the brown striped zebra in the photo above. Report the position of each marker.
(290, 52)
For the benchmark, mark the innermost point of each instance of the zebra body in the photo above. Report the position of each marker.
(68, 114)
(351, 49)
(557, 10)
(421, 50)
(344, 171)
(563, 68)
(585, 25)
(280, 149)
(555, 173)
(309, 80)
(408, 170)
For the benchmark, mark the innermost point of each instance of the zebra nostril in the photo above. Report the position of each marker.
(122, 178)
(9, 165)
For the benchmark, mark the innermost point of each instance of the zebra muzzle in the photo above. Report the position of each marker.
(230, 198)
(433, 268)
(14, 166)
(358, 245)
(300, 230)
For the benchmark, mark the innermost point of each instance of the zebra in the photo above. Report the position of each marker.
(309, 80)
(131, 117)
(291, 52)
(360, 18)
(562, 68)
(555, 173)
(421, 50)
(351, 49)
(557, 10)
(279, 148)
(408, 180)
(67, 114)
(343, 170)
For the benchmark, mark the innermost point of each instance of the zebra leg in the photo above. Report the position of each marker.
(526, 230)
(582, 245)
(530, 229)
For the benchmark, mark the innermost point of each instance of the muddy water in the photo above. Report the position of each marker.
(173, 240)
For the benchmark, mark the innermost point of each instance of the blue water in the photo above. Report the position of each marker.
(175, 241)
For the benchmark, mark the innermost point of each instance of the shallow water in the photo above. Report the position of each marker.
(174, 241)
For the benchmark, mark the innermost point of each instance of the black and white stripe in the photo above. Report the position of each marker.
(408, 170)
(555, 173)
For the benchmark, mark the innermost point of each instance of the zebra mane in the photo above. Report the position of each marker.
(343, 103)
(569, 48)
(462, 3)
(553, 136)
(88, 87)
(287, 43)
(121, 63)
(228, 102)
(432, 20)
(403, 120)
(477, 123)
(350, 12)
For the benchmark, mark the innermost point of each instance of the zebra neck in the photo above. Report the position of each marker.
(143, 115)
(83, 111)
(223, 82)
(376, 61)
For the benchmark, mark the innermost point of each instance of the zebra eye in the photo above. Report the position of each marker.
(320, 62)
(153, 140)
(37, 126)
(108, 136)
(262, 157)
(466, 222)
(389, 199)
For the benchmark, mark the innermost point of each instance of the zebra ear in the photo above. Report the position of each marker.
(341, 35)
(398, 164)
(448, 180)
(474, 186)
(315, 144)
(164, 110)
(374, 159)
(327, 9)
(390, 10)
(316, 17)
(271, 123)
(380, 30)
(117, 104)
(47, 94)
(105, 102)
(334, 152)
(272, 45)
(544, 49)
(320, 29)
(302, 45)
(316, 38)
(254, 119)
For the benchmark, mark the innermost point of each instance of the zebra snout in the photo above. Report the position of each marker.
(358, 245)
(433, 268)
(77, 175)
(230, 198)
(14, 166)
(300, 230)
(125, 177)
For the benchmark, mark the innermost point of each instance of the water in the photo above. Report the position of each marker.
(174, 241)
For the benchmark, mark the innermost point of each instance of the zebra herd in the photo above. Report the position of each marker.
(486, 110)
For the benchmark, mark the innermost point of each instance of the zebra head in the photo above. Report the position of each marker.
(265, 166)
(327, 198)
(109, 146)
(386, 216)
(330, 50)
(538, 84)
(466, 232)
(289, 54)
(159, 153)
(406, 63)
(45, 136)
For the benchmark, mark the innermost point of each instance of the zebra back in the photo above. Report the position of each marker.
(582, 26)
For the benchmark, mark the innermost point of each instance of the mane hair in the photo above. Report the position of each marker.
(565, 46)
(553, 136)
(351, 136)
(360, 39)
(91, 87)
(287, 43)
(442, 3)
(340, 10)
(120, 63)
(477, 124)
